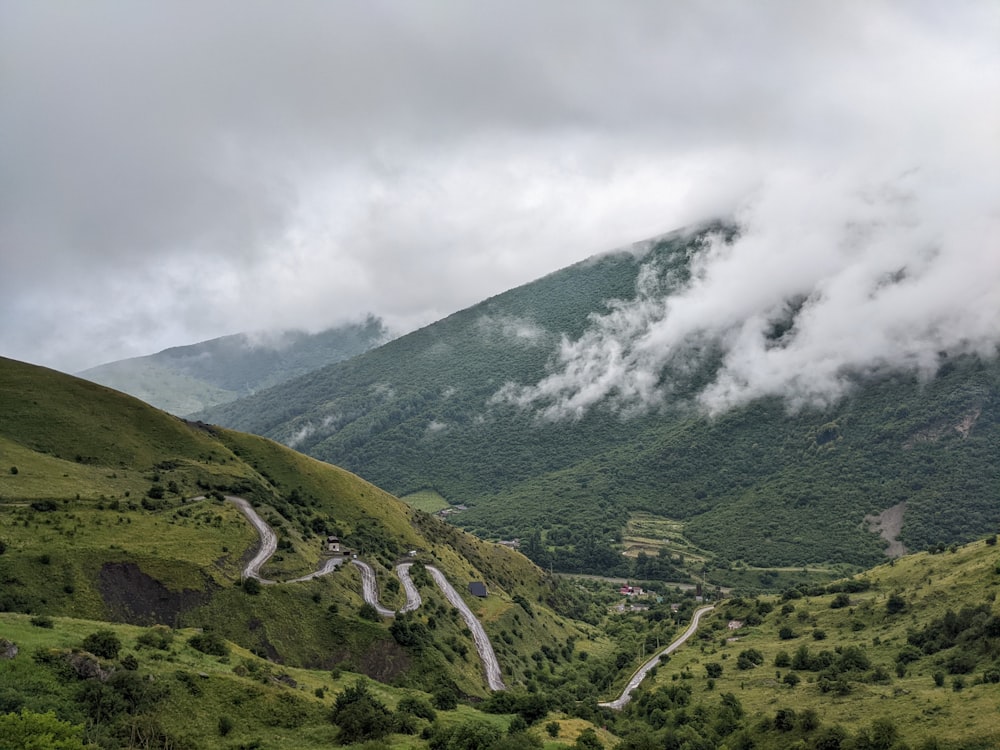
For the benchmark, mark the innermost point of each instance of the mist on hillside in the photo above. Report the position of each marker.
(830, 277)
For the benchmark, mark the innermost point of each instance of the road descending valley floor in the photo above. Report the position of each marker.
(369, 589)
(618, 703)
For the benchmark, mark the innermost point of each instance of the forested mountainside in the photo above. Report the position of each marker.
(760, 484)
(186, 379)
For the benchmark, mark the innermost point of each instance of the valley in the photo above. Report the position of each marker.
(764, 486)
(181, 593)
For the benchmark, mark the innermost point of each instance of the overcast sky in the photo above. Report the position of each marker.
(173, 172)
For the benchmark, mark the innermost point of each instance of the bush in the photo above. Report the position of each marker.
(895, 604)
(251, 586)
(713, 669)
(445, 699)
(368, 612)
(360, 715)
(42, 621)
(159, 637)
(103, 643)
(225, 725)
(209, 643)
(553, 729)
(840, 601)
(784, 720)
(417, 707)
(749, 658)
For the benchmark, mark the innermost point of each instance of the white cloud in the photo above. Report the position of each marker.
(883, 274)
(173, 173)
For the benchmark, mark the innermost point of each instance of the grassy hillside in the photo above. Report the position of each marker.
(904, 655)
(113, 510)
(754, 487)
(186, 379)
(132, 627)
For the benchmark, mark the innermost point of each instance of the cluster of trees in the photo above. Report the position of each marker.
(669, 718)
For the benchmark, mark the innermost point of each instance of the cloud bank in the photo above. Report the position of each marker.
(829, 278)
(175, 172)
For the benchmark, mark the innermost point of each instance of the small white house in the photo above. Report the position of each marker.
(332, 544)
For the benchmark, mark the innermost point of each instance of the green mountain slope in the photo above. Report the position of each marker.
(186, 379)
(904, 655)
(756, 485)
(113, 510)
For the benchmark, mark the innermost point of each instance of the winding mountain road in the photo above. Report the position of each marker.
(619, 703)
(369, 589)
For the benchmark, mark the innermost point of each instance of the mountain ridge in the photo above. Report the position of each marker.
(758, 484)
(186, 379)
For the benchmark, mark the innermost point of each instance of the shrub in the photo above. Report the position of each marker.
(840, 601)
(445, 699)
(103, 643)
(30, 729)
(251, 586)
(42, 621)
(368, 612)
(784, 720)
(417, 707)
(209, 643)
(360, 715)
(553, 729)
(819, 635)
(786, 633)
(225, 725)
(713, 669)
(895, 604)
(159, 637)
(749, 658)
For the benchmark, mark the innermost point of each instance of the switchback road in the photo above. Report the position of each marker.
(369, 589)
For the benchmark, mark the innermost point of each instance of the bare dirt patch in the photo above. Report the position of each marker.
(134, 597)
(888, 524)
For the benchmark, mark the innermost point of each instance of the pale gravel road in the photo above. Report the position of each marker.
(640, 675)
(268, 540)
(483, 645)
(369, 589)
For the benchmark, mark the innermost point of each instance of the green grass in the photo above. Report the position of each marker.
(93, 519)
(428, 501)
(931, 584)
(241, 686)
